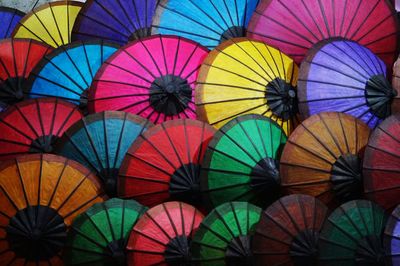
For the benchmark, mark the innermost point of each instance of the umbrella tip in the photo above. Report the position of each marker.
(233, 32)
(304, 248)
(265, 178)
(43, 144)
(380, 94)
(177, 251)
(116, 250)
(140, 34)
(185, 184)
(282, 98)
(239, 251)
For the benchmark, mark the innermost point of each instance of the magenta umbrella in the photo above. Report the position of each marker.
(153, 77)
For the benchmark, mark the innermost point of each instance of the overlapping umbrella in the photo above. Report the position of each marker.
(242, 162)
(162, 236)
(381, 165)
(100, 142)
(352, 235)
(323, 156)
(288, 231)
(153, 77)
(294, 26)
(391, 240)
(344, 76)
(33, 126)
(17, 59)
(164, 163)
(117, 21)
(224, 236)
(99, 235)
(242, 76)
(27, 6)
(206, 22)
(68, 71)
(40, 196)
(50, 23)
(9, 18)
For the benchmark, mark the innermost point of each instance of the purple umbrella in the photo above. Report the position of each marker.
(343, 76)
(115, 20)
(391, 238)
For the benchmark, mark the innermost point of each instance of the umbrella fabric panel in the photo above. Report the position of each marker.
(27, 6)
(10, 18)
(396, 86)
(391, 241)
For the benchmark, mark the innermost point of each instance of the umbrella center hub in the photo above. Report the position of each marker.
(185, 184)
(83, 101)
(116, 250)
(140, 34)
(177, 251)
(11, 90)
(370, 251)
(303, 249)
(171, 88)
(281, 99)
(239, 252)
(233, 32)
(43, 144)
(379, 95)
(109, 177)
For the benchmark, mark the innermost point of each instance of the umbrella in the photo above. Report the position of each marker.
(164, 163)
(344, 76)
(162, 236)
(68, 71)
(49, 23)
(352, 235)
(27, 6)
(396, 85)
(153, 77)
(294, 26)
(33, 126)
(382, 164)
(242, 76)
(241, 163)
(224, 236)
(391, 240)
(206, 22)
(100, 142)
(288, 231)
(17, 59)
(322, 158)
(39, 197)
(9, 18)
(99, 235)
(116, 21)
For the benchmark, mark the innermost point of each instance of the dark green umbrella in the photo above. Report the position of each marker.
(99, 235)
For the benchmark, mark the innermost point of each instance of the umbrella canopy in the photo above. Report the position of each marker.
(49, 23)
(154, 77)
(116, 21)
(343, 76)
(242, 76)
(391, 241)
(100, 142)
(27, 6)
(206, 22)
(224, 236)
(288, 231)
(40, 196)
(99, 235)
(9, 18)
(381, 165)
(17, 59)
(164, 163)
(323, 156)
(294, 26)
(352, 235)
(162, 236)
(68, 71)
(33, 126)
(242, 162)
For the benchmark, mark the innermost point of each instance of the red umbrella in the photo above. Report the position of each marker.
(33, 126)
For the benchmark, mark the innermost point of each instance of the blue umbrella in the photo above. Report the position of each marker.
(68, 71)
(9, 18)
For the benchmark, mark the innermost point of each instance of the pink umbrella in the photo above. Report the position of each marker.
(153, 77)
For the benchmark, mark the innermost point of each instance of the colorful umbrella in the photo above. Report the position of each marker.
(39, 197)
(68, 71)
(323, 156)
(352, 235)
(9, 18)
(242, 76)
(27, 6)
(224, 236)
(288, 231)
(241, 163)
(33, 126)
(49, 23)
(344, 76)
(206, 22)
(100, 142)
(391, 240)
(162, 236)
(99, 235)
(17, 59)
(153, 77)
(164, 163)
(382, 164)
(116, 21)
(294, 26)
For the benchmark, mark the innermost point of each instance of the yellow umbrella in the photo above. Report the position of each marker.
(241, 76)
(50, 23)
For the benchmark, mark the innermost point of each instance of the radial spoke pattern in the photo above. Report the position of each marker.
(9, 18)
(27, 6)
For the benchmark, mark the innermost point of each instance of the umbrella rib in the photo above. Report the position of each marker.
(56, 23)
(361, 58)
(322, 143)
(6, 69)
(22, 184)
(364, 20)
(331, 134)
(58, 85)
(164, 57)
(188, 59)
(87, 203)
(325, 19)
(231, 100)
(151, 57)
(386, 152)
(109, 222)
(374, 28)
(106, 141)
(251, 140)
(39, 118)
(149, 164)
(120, 136)
(262, 56)
(219, 216)
(238, 114)
(344, 134)
(127, 16)
(122, 83)
(26, 58)
(138, 20)
(158, 225)
(171, 222)
(387, 133)
(92, 144)
(93, 241)
(107, 10)
(306, 167)
(373, 59)
(283, 228)
(139, 63)
(43, 26)
(177, 49)
(56, 185)
(66, 119)
(332, 83)
(264, 145)
(352, 20)
(211, 18)
(26, 121)
(76, 67)
(319, 156)
(228, 11)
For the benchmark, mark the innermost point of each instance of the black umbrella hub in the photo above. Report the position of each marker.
(83, 101)
(233, 32)
(370, 252)
(265, 178)
(238, 252)
(116, 252)
(140, 34)
(304, 248)
(12, 90)
(177, 251)
(43, 144)
(110, 179)
(380, 94)
(185, 184)
(282, 98)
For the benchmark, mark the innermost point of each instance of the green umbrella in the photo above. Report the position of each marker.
(99, 235)
(352, 235)
(241, 162)
(224, 236)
